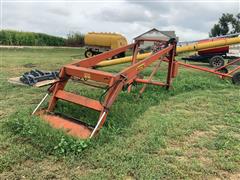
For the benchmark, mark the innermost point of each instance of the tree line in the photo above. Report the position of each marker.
(20, 38)
(227, 24)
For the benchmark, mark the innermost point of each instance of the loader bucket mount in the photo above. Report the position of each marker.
(84, 69)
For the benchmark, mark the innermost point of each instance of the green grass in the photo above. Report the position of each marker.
(189, 132)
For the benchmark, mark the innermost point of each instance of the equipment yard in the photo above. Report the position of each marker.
(191, 131)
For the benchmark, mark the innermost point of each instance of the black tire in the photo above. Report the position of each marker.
(121, 55)
(115, 57)
(141, 51)
(216, 61)
(236, 78)
(88, 53)
(223, 70)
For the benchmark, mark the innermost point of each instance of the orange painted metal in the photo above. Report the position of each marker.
(202, 69)
(90, 103)
(171, 61)
(69, 126)
(228, 64)
(214, 71)
(134, 58)
(234, 70)
(87, 73)
(146, 81)
(175, 69)
(93, 61)
(155, 69)
(116, 82)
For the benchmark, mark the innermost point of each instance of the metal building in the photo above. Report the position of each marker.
(155, 34)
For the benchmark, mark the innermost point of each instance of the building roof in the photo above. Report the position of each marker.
(166, 33)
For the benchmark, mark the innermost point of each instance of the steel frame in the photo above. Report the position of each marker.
(216, 71)
(84, 69)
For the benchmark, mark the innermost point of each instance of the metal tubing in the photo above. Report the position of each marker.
(155, 69)
(92, 61)
(135, 52)
(115, 82)
(144, 81)
(228, 64)
(96, 127)
(43, 99)
(207, 45)
(136, 68)
(170, 66)
(234, 70)
(180, 49)
(204, 69)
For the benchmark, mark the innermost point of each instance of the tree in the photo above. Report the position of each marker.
(227, 24)
(75, 39)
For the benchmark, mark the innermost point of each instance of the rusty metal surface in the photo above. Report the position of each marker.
(90, 103)
(115, 83)
(214, 71)
(70, 126)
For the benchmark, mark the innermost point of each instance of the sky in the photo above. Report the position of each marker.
(190, 19)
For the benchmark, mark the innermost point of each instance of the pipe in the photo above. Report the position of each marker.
(207, 45)
(96, 127)
(180, 49)
(43, 99)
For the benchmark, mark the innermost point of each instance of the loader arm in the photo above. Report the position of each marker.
(83, 69)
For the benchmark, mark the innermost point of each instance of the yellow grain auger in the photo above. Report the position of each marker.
(180, 49)
(97, 43)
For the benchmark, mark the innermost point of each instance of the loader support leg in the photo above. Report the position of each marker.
(59, 86)
(155, 69)
(170, 67)
(109, 99)
(135, 52)
(100, 122)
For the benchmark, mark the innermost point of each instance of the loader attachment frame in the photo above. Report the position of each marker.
(222, 71)
(84, 69)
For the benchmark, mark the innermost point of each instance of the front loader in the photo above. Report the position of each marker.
(115, 82)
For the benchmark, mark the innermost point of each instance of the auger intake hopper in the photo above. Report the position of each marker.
(114, 83)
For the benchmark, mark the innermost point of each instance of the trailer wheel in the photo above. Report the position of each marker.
(141, 51)
(223, 70)
(236, 78)
(115, 57)
(88, 53)
(121, 55)
(216, 61)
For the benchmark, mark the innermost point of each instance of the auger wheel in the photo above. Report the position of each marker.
(216, 61)
(236, 78)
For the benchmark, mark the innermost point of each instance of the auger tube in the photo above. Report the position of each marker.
(180, 49)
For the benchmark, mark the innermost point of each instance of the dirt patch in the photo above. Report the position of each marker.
(129, 178)
(3, 113)
(204, 160)
(196, 135)
(189, 151)
(46, 169)
(216, 128)
(189, 140)
(234, 176)
(29, 65)
(226, 175)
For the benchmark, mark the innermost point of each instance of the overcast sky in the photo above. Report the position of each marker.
(190, 19)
